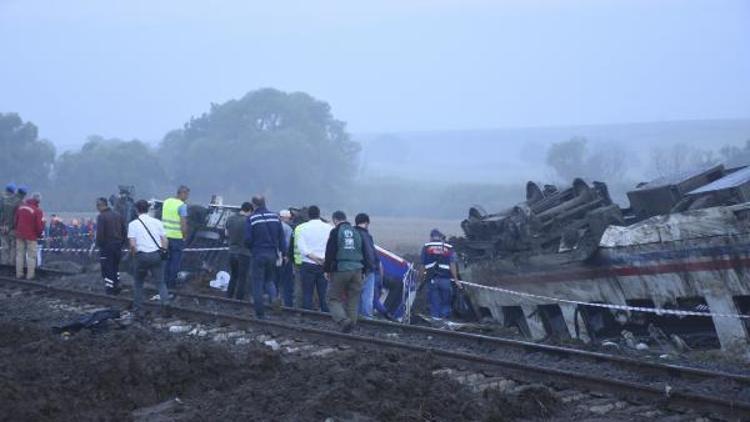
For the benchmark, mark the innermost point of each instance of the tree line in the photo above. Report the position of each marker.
(290, 147)
(287, 146)
(613, 164)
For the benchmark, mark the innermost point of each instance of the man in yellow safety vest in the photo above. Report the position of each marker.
(174, 215)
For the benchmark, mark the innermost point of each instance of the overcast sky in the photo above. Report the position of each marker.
(136, 69)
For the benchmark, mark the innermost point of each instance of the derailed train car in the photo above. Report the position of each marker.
(570, 263)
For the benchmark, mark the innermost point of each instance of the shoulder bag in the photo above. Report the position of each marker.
(163, 253)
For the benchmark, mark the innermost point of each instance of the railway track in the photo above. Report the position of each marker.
(704, 391)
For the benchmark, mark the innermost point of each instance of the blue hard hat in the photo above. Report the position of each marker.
(11, 187)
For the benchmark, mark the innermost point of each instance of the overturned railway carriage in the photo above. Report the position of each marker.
(684, 274)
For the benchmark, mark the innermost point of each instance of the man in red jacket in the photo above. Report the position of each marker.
(29, 228)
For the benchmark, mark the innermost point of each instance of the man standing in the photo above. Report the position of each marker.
(264, 236)
(174, 215)
(439, 260)
(110, 237)
(239, 254)
(29, 227)
(344, 265)
(147, 238)
(21, 194)
(311, 238)
(286, 271)
(7, 223)
(373, 266)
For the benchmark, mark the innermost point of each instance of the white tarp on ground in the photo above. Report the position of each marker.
(717, 221)
(221, 282)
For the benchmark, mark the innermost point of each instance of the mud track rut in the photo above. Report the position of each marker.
(480, 362)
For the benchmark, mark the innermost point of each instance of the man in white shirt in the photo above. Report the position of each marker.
(311, 238)
(147, 236)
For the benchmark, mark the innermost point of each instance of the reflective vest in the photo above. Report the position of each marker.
(297, 254)
(437, 259)
(170, 216)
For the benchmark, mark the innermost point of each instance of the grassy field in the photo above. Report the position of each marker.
(407, 235)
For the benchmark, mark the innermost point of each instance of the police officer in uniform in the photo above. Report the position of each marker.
(439, 260)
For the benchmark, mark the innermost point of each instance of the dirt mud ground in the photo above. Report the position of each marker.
(135, 373)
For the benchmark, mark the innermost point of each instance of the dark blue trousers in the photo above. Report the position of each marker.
(441, 297)
(313, 279)
(262, 275)
(172, 266)
(285, 277)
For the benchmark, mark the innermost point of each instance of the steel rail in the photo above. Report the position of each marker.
(671, 369)
(699, 402)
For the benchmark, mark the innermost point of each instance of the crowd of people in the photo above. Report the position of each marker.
(76, 233)
(336, 264)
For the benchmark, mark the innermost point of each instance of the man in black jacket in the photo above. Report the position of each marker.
(343, 265)
(372, 265)
(111, 233)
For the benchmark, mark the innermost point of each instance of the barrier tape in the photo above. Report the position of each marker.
(657, 311)
(80, 250)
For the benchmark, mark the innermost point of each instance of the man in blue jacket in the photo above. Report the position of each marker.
(264, 236)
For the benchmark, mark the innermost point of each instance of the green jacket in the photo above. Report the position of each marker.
(8, 207)
(344, 250)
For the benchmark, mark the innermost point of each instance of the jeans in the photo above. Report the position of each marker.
(262, 278)
(239, 267)
(172, 266)
(346, 288)
(367, 296)
(149, 262)
(313, 279)
(285, 277)
(377, 293)
(109, 260)
(441, 297)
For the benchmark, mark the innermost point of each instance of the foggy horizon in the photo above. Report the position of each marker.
(136, 70)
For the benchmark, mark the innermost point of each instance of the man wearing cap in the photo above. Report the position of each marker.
(439, 260)
(29, 228)
(8, 205)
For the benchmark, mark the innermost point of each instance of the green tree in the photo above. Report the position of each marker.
(285, 145)
(100, 166)
(25, 158)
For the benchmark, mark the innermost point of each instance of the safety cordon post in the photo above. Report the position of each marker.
(657, 311)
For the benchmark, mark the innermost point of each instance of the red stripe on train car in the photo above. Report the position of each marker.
(630, 271)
